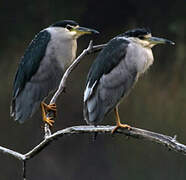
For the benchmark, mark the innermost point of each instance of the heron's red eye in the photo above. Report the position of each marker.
(69, 27)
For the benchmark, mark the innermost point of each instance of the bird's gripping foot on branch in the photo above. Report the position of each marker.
(118, 123)
(47, 109)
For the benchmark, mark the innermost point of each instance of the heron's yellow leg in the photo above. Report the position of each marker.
(118, 123)
(45, 108)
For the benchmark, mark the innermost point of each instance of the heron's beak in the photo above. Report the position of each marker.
(84, 30)
(155, 40)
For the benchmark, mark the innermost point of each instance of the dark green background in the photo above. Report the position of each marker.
(157, 103)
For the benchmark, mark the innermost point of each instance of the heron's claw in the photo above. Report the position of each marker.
(125, 126)
(49, 121)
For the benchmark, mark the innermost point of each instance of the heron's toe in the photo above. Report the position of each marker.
(51, 107)
(125, 126)
(49, 121)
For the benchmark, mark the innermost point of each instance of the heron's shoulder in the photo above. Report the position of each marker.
(37, 45)
(36, 48)
(40, 38)
(118, 41)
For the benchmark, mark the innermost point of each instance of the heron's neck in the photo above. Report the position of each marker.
(147, 61)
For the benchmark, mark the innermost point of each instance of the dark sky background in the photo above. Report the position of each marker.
(157, 103)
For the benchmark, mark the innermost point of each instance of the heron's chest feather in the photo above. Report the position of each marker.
(65, 53)
(149, 59)
(145, 60)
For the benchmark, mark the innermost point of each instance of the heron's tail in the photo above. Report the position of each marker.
(21, 109)
(93, 112)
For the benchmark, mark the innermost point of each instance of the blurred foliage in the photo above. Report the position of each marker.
(157, 103)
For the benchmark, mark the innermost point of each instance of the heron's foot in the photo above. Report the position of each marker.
(46, 109)
(125, 126)
(50, 107)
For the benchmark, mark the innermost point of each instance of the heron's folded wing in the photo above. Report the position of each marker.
(107, 59)
(29, 65)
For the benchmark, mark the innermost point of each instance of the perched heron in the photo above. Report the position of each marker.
(115, 71)
(44, 62)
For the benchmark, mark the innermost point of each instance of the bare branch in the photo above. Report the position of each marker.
(137, 133)
(12, 153)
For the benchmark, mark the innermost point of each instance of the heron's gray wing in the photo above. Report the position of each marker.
(106, 88)
(107, 59)
(31, 81)
(41, 84)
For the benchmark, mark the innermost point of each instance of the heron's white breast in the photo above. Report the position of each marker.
(62, 47)
(141, 56)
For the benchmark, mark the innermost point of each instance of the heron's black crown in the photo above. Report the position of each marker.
(137, 32)
(64, 23)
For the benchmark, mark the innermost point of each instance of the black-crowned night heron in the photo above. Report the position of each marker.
(115, 71)
(45, 60)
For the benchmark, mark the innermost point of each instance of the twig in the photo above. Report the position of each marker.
(12, 153)
(91, 49)
(137, 133)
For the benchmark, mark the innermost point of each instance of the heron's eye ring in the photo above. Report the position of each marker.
(69, 27)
